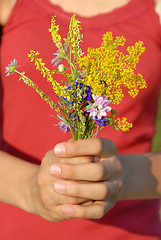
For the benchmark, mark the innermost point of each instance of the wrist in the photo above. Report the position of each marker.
(139, 176)
(27, 187)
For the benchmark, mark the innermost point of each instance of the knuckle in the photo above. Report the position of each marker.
(119, 168)
(48, 155)
(71, 147)
(98, 145)
(54, 216)
(73, 200)
(100, 213)
(83, 213)
(100, 172)
(113, 147)
(48, 158)
(45, 199)
(74, 189)
(103, 191)
(120, 184)
(71, 172)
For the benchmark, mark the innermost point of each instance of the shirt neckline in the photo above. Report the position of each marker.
(133, 8)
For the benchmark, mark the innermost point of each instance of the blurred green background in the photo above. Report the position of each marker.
(157, 138)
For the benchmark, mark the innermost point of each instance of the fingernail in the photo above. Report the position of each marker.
(59, 149)
(68, 210)
(59, 187)
(55, 170)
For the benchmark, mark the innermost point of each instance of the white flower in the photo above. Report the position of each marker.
(61, 68)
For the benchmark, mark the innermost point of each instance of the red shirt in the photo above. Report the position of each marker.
(28, 131)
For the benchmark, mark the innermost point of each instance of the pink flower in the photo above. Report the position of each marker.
(100, 106)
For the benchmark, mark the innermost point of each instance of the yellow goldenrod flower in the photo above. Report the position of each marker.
(108, 70)
(94, 80)
(123, 124)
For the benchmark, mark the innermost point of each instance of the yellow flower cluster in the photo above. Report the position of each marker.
(108, 71)
(55, 35)
(123, 124)
(46, 73)
(105, 71)
(75, 36)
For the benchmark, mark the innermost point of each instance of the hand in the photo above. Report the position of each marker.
(100, 182)
(44, 200)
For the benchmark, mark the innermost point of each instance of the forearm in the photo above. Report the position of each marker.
(15, 180)
(141, 176)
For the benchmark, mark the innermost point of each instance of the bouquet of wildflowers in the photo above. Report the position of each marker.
(94, 81)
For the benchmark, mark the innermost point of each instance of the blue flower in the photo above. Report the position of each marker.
(10, 69)
(88, 92)
(101, 121)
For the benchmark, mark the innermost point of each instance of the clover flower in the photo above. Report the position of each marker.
(10, 69)
(99, 108)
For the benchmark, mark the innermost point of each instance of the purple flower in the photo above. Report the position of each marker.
(89, 94)
(101, 121)
(100, 107)
(98, 110)
(64, 127)
(80, 85)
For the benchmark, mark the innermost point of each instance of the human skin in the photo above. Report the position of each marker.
(113, 177)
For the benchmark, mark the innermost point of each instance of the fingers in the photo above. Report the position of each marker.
(94, 211)
(68, 211)
(90, 146)
(87, 172)
(51, 158)
(98, 191)
(78, 160)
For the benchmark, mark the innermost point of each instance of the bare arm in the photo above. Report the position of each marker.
(31, 187)
(141, 176)
(15, 178)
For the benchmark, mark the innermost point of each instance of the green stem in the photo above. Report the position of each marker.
(30, 83)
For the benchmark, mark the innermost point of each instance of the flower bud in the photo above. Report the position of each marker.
(61, 68)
